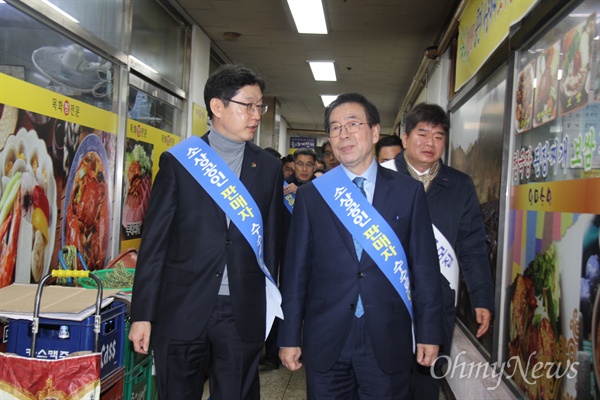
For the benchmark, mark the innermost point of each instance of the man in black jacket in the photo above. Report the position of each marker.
(456, 216)
(199, 289)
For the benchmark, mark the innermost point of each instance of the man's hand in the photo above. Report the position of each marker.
(427, 353)
(290, 357)
(139, 334)
(290, 188)
(483, 316)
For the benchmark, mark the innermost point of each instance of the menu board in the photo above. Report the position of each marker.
(553, 245)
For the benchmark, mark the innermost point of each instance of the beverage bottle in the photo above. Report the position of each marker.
(63, 332)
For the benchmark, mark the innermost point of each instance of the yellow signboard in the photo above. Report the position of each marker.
(482, 27)
(26, 96)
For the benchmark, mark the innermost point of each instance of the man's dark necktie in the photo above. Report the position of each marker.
(360, 184)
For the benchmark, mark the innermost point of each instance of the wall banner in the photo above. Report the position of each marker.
(482, 27)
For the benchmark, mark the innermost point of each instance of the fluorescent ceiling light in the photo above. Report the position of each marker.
(323, 70)
(308, 16)
(144, 64)
(60, 11)
(328, 98)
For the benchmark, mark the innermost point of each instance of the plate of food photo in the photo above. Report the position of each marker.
(86, 211)
(28, 208)
(524, 99)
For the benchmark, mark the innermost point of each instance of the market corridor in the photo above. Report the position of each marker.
(282, 384)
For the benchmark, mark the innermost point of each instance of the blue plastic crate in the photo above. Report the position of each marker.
(81, 337)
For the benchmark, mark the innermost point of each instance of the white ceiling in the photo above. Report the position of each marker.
(377, 46)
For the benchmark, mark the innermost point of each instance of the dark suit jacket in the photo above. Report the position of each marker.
(455, 211)
(323, 279)
(186, 244)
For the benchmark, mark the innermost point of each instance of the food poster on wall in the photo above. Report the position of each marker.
(576, 65)
(546, 71)
(58, 157)
(524, 98)
(553, 224)
(143, 146)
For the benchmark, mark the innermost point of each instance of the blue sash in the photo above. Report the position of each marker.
(289, 199)
(368, 227)
(226, 189)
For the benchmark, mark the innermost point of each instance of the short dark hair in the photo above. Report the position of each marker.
(305, 152)
(325, 145)
(271, 150)
(370, 109)
(287, 159)
(385, 141)
(227, 81)
(428, 113)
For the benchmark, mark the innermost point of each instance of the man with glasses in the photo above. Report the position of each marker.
(304, 168)
(351, 296)
(200, 283)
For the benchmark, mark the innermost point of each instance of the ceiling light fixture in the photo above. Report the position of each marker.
(323, 70)
(308, 16)
(231, 36)
(328, 98)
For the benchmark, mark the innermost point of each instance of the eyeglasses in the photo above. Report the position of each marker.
(252, 107)
(328, 154)
(301, 165)
(351, 127)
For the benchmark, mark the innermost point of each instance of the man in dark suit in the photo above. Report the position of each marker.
(455, 212)
(348, 354)
(199, 291)
(304, 168)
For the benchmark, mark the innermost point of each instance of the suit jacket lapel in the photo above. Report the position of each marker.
(250, 168)
(344, 234)
(440, 182)
(383, 190)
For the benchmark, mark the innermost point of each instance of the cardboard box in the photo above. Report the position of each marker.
(17, 302)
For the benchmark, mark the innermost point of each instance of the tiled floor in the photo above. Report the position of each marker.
(278, 384)
(281, 384)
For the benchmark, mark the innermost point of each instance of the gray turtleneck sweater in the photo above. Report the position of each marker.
(232, 153)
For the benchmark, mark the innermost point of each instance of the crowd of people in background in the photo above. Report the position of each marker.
(388, 147)
(341, 243)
